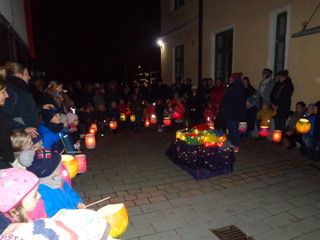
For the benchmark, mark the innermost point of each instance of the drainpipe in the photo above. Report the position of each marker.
(200, 25)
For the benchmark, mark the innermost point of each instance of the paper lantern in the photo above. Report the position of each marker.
(122, 117)
(92, 131)
(65, 175)
(153, 119)
(276, 136)
(264, 131)
(90, 141)
(181, 134)
(94, 126)
(113, 125)
(132, 118)
(82, 162)
(128, 112)
(147, 123)
(177, 116)
(117, 217)
(303, 125)
(71, 164)
(243, 127)
(167, 121)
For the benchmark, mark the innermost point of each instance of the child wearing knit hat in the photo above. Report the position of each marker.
(73, 122)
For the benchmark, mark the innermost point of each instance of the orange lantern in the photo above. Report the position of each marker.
(303, 125)
(82, 162)
(90, 141)
(94, 126)
(147, 123)
(116, 216)
(167, 121)
(264, 131)
(276, 136)
(113, 125)
(153, 119)
(71, 164)
(92, 131)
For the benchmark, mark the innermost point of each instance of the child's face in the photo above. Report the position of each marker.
(299, 108)
(264, 107)
(76, 122)
(38, 145)
(30, 201)
(314, 110)
(56, 119)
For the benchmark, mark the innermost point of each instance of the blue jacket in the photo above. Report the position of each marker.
(56, 199)
(49, 138)
(4, 222)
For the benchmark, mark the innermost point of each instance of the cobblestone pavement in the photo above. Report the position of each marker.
(272, 194)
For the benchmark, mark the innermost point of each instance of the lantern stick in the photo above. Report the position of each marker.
(99, 201)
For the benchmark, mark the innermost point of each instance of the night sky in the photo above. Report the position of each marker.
(92, 40)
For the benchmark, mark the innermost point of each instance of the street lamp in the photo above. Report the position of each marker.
(160, 43)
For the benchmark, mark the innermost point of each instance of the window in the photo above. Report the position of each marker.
(280, 42)
(223, 54)
(178, 4)
(179, 63)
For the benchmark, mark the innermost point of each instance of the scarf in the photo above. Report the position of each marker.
(263, 85)
(54, 127)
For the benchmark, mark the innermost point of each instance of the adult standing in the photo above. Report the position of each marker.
(20, 108)
(233, 108)
(281, 96)
(6, 152)
(266, 86)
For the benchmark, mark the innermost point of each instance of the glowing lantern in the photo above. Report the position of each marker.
(303, 125)
(177, 116)
(71, 164)
(147, 123)
(92, 131)
(264, 131)
(153, 119)
(65, 175)
(94, 127)
(128, 112)
(167, 121)
(113, 125)
(243, 127)
(82, 162)
(90, 141)
(181, 134)
(132, 118)
(117, 217)
(276, 136)
(122, 117)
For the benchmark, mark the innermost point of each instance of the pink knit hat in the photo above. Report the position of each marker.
(15, 185)
(71, 117)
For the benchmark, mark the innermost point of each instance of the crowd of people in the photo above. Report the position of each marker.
(36, 118)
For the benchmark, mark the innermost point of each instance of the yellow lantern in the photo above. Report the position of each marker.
(71, 164)
(132, 118)
(117, 217)
(181, 134)
(122, 117)
(303, 125)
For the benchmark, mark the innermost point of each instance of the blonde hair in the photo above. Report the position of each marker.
(52, 86)
(20, 140)
(3, 74)
(18, 214)
(13, 68)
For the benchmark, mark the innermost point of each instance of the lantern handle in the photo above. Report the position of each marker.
(99, 201)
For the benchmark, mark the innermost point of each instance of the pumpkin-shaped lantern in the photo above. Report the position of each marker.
(276, 136)
(82, 162)
(71, 164)
(90, 141)
(264, 131)
(153, 119)
(113, 125)
(122, 117)
(303, 125)
(117, 217)
(243, 126)
(132, 118)
(167, 121)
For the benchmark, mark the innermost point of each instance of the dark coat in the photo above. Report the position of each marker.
(281, 96)
(6, 152)
(20, 108)
(233, 102)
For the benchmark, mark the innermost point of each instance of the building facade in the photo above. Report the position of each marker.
(179, 40)
(249, 35)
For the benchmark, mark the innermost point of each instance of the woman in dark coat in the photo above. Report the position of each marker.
(6, 152)
(281, 96)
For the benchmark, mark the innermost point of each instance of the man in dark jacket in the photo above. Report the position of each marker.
(233, 107)
(281, 96)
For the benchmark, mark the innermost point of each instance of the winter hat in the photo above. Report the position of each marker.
(71, 117)
(48, 114)
(15, 185)
(36, 139)
(26, 158)
(63, 118)
(236, 75)
(44, 164)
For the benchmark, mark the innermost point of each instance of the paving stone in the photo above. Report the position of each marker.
(172, 235)
(310, 236)
(305, 211)
(147, 218)
(138, 231)
(280, 220)
(169, 224)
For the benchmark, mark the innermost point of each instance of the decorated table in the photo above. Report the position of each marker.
(202, 151)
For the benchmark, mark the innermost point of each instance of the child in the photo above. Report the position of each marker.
(251, 113)
(179, 111)
(265, 114)
(73, 122)
(114, 114)
(209, 112)
(137, 109)
(159, 108)
(19, 196)
(55, 192)
(102, 117)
